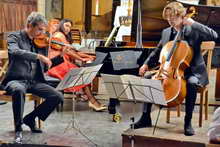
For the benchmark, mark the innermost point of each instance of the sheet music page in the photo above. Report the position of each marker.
(114, 86)
(125, 59)
(88, 74)
(136, 87)
(154, 90)
(100, 57)
(79, 76)
(69, 78)
(145, 90)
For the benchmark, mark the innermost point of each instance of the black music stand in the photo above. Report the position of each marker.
(77, 77)
(136, 89)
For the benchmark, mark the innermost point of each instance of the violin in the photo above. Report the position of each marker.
(44, 41)
(175, 57)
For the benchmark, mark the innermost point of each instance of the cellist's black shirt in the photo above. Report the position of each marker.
(173, 34)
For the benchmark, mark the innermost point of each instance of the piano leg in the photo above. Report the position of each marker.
(113, 102)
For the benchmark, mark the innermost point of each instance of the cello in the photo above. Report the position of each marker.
(175, 57)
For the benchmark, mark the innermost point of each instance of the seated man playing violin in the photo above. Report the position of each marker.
(195, 75)
(25, 74)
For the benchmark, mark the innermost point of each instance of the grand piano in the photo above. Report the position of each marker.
(150, 35)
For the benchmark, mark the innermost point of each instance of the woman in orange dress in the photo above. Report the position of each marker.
(70, 55)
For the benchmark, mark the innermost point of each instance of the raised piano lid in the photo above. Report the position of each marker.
(153, 23)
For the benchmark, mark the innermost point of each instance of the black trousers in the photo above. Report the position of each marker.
(18, 88)
(190, 99)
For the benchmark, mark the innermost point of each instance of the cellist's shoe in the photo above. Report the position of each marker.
(188, 130)
(18, 137)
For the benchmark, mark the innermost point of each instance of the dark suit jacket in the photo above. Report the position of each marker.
(194, 35)
(21, 56)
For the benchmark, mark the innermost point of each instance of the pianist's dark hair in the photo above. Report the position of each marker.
(61, 29)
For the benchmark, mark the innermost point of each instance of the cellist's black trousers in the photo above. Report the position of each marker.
(190, 99)
(18, 88)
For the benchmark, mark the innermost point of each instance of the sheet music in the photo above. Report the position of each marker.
(155, 87)
(146, 90)
(114, 86)
(79, 76)
(100, 57)
(137, 86)
(125, 59)
(70, 77)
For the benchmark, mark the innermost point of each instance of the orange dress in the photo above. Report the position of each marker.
(62, 69)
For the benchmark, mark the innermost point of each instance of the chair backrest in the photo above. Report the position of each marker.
(4, 63)
(76, 36)
(3, 44)
(207, 48)
(3, 59)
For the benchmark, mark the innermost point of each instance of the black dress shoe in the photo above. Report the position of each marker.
(31, 124)
(145, 121)
(188, 130)
(18, 137)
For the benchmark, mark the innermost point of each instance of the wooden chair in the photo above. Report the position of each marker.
(8, 98)
(207, 48)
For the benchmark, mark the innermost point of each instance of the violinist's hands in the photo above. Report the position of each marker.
(143, 69)
(69, 50)
(86, 60)
(93, 58)
(188, 21)
(44, 59)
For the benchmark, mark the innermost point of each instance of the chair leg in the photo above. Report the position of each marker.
(206, 105)
(39, 123)
(168, 115)
(178, 110)
(95, 85)
(201, 109)
(61, 105)
(58, 108)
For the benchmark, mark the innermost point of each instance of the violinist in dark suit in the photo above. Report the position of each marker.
(27, 64)
(196, 75)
